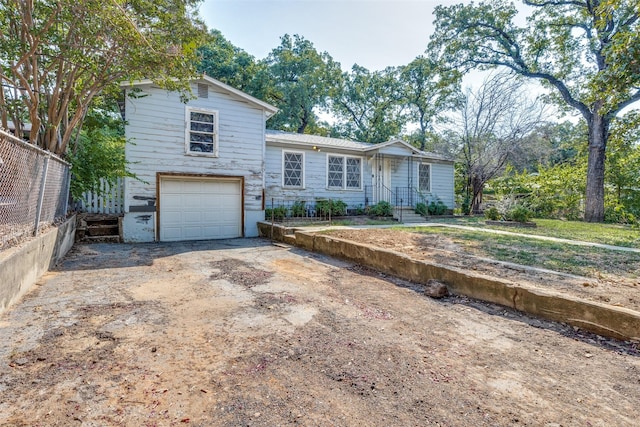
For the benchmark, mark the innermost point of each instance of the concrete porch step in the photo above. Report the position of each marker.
(407, 215)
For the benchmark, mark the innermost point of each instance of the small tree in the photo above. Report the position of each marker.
(490, 124)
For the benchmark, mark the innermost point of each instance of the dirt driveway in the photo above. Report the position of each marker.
(240, 332)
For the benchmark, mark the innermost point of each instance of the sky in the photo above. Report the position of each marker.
(371, 33)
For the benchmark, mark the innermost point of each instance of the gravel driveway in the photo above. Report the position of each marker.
(241, 332)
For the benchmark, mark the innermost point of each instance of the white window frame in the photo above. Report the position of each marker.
(303, 184)
(344, 172)
(187, 134)
(430, 177)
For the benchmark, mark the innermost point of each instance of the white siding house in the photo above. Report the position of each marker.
(309, 167)
(200, 164)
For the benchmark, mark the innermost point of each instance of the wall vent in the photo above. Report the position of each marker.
(203, 90)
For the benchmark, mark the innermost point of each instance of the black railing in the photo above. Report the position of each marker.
(375, 194)
(409, 196)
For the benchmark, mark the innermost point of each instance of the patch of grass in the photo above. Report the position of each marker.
(609, 234)
(579, 260)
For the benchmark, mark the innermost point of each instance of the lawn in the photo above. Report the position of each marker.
(580, 260)
(610, 234)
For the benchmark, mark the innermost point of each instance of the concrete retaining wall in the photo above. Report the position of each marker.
(22, 266)
(602, 319)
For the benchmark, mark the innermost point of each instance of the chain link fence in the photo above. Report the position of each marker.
(34, 189)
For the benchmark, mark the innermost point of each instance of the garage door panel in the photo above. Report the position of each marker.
(197, 209)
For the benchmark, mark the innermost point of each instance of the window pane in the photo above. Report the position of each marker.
(202, 127)
(353, 173)
(425, 178)
(202, 136)
(201, 117)
(201, 147)
(292, 170)
(336, 172)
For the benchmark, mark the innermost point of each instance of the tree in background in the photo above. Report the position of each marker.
(223, 61)
(299, 81)
(59, 55)
(623, 170)
(369, 105)
(99, 152)
(428, 91)
(548, 144)
(585, 50)
(492, 122)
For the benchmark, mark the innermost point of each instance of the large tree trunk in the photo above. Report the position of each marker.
(594, 197)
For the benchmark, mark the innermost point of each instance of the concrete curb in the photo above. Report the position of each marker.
(602, 319)
(22, 266)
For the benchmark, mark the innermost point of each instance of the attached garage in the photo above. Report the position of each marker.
(199, 208)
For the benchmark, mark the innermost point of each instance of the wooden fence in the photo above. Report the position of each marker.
(110, 202)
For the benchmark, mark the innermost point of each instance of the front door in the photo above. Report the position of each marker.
(381, 180)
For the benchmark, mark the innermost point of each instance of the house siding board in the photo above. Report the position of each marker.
(315, 171)
(442, 183)
(156, 129)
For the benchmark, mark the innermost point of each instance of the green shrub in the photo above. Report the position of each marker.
(421, 209)
(437, 207)
(492, 213)
(333, 207)
(298, 209)
(275, 214)
(381, 209)
(618, 214)
(358, 210)
(519, 213)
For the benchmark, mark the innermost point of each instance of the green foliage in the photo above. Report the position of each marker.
(358, 210)
(421, 209)
(99, 153)
(519, 213)
(299, 79)
(618, 214)
(586, 52)
(368, 105)
(492, 213)
(437, 207)
(77, 49)
(429, 89)
(275, 214)
(381, 208)
(298, 209)
(220, 59)
(333, 207)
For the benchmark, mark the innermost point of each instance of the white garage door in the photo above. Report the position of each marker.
(200, 208)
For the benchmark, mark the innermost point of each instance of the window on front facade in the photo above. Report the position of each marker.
(293, 169)
(202, 131)
(344, 172)
(424, 177)
(354, 174)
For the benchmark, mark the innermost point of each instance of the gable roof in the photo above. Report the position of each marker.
(236, 93)
(343, 144)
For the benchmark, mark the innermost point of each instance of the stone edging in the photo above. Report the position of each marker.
(602, 319)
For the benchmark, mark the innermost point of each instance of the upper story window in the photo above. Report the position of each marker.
(292, 169)
(202, 131)
(424, 177)
(344, 172)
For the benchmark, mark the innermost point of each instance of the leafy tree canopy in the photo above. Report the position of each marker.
(58, 55)
(369, 105)
(579, 48)
(220, 59)
(299, 81)
(428, 90)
